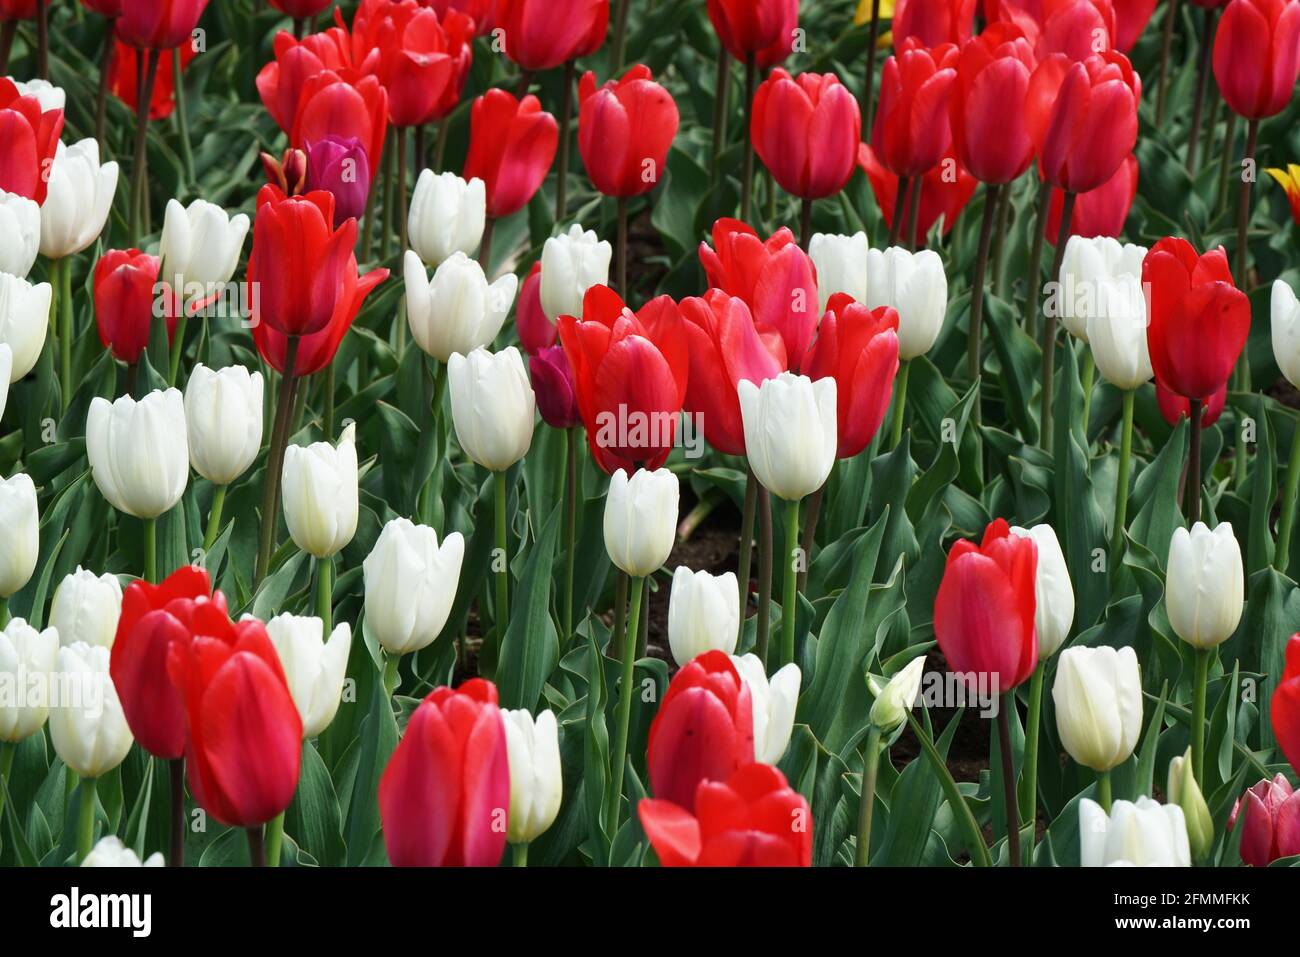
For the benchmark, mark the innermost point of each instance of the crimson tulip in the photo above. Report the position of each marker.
(1098, 212)
(344, 105)
(1076, 28)
(105, 8)
(301, 9)
(755, 819)
(987, 108)
(317, 350)
(159, 24)
(911, 131)
(703, 731)
(1198, 319)
(1286, 705)
(536, 332)
(557, 397)
(945, 191)
(806, 130)
(1272, 827)
(1257, 55)
(538, 37)
(1174, 407)
(1131, 19)
(280, 82)
(479, 11)
(17, 9)
(126, 291)
(340, 167)
(762, 29)
(984, 610)
(933, 22)
(123, 77)
(28, 139)
(511, 145)
(630, 371)
(446, 789)
(624, 131)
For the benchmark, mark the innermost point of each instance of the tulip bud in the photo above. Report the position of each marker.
(126, 291)
(1204, 584)
(29, 656)
(915, 285)
(138, 451)
(447, 216)
(553, 385)
(86, 608)
(774, 703)
(841, 263)
(20, 225)
(1272, 826)
(20, 544)
(223, 419)
(200, 244)
(410, 585)
(703, 613)
(790, 432)
(896, 698)
(1086, 265)
(289, 172)
(1053, 593)
(1183, 790)
(24, 318)
(536, 332)
(533, 752)
(1286, 330)
(321, 500)
(314, 668)
(339, 165)
(641, 520)
(457, 310)
(1098, 698)
(89, 731)
(79, 196)
(572, 263)
(1117, 330)
(111, 852)
(1138, 834)
(492, 406)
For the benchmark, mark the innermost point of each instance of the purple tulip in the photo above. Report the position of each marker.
(557, 399)
(341, 167)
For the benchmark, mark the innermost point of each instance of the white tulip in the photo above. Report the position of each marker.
(492, 406)
(1117, 331)
(897, 697)
(1204, 584)
(88, 729)
(20, 233)
(111, 852)
(223, 418)
(641, 520)
(410, 585)
(703, 614)
(86, 608)
(77, 201)
(20, 542)
(1087, 265)
(457, 310)
(916, 286)
(321, 499)
(536, 787)
(27, 658)
(447, 216)
(24, 318)
(790, 432)
(774, 704)
(200, 243)
(1286, 330)
(1053, 593)
(314, 668)
(572, 263)
(841, 263)
(1142, 834)
(1098, 698)
(50, 97)
(138, 451)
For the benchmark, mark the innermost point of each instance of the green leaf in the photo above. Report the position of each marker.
(531, 647)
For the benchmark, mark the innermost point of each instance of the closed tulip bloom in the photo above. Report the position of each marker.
(538, 40)
(457, 310)
(448, 781)
(774, 703)
(223, 419)
(641, 519)
(572, 263)
(916, 287)
(1098, 212)
(201, 243)
(1087, 266)
(1257, 55)
(80, 195)
(554, 388)
(988, 105)
(1141, 834)
(28, 655)
(625, 129)
(24, 319)
(841, 263)
(945, 191)
(159, 24)
(791, 432)
(750, 27)
(703, 613)
(30, 134)
(511, 145)
(1053, 593)
(703, 730)
(1204, 584)
(896, 698)
(1272, 827)
(536, 788)
(320, 494)
(985, 608)
(1285, 711)
(138, 451)
(1285, 309)
(806, 130)
(20, 224)
(340, 167)
(1098, 700)
(89, 731)
(932, 22)
(111, 852)
(1174, 407)
(1181, 789)
(314, 668)
(911, 131)
(492, 406)
(535, 328)
(127, 292)
(20, 545)
(447, 216)
(86, 608)
(410, 585)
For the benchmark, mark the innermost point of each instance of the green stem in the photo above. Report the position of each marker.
(1103, 790)
(621, 253)
(325, 593)
(900, 403)
(1286, 521)
(791, 595)
(979, 851)
(870, 765)
(1086, 377)
(519, 855)
(4, 611)
(256, 846)
(721, 91)
(182, 117)
(974, 363)
(1121, 485)
(274, 839)
(747, 541)
(1166, 44)
(764, 572)
(1034, 288)
(503, 576)
(1049, 328)
(178, 340)
(562, 161)
(143, 99)
(617, 644)
(327, 417)
(7, 751)
(570, 524)
(1200, 680)
(391, 677)
(620, 33)
(214, 517)
(1009, 779)
(1029, 777)
(275, 461)
(151, 550)
(176, 850)
(747, 162)
(86, 819)
(618, 757)
(65, 331)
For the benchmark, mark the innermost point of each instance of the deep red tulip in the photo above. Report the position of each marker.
(933, 22)
(479, 11)
(984, 610)
(945, 191)
(1098, 212)
(1131, 19)
(858, 348)
(987, 106)
(280, 82)
(703, 731)
(153, 618)
(755, 819)
(1198, 320)
(536, 332)
(301, 9)
(1272, 827)
(446, 790)
(317, 350)
(911, 131)
(126, 294)
(1076, 28)
(539, 37)
(1174, 407)
(105, 8)
(159, 24)
(288, 173)
(343, 105)
(630, 370)
(762, 29)
(123, 77)
(28, 139)
(557, 396)
(17, 9)
(1286, 706)
(624, 131)
(806, 130)
(421, 61)
(1257, 55)
(511, 145)
(725, 346)
(340, 166)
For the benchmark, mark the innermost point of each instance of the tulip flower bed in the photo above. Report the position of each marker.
(649, 433)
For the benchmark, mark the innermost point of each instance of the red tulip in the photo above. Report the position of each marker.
(557, 397)
(479, 11)
(539, 37)
(126, 293)
(1198, 319)
(344, 105)
(858, 348)
(763, 29)
(280, 82)
(159, 24)
(28, 139)
(1286, 705)
(987, 108)
(536, 332)
(725, 345)
(630, 371)
(624, 131)
(1272, 828)
(446, 790)
(243, 735)
(806, 130)
(1076, 28)
(755, 819)
(1098, 212)
(153, 618)
(123, 78)
(300, 9)
(511, 145)
(1257, 55)
(317, 350)
(933, 22)
(288, 173)
(911, 132)
(1174, 407)
(984, 610)
(945, 191)
(17, 9)
(105, 8)
(703, 731)
(1131, 19)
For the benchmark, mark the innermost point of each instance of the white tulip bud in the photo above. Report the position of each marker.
(492, 406)
(314, 668)
(200, 243)
(20, 225)
(223, 417)
(572, 263)
(536, 788)
(447, 216)
(138, 451)
(20, 542)
(1053, 593)
(77, 201)
(24, 318)
(1181, 789)
(88, 729)
(1117, 330)
(321, 500)
(774, 704)
(111, 852)
(1098, 698)
(457, 310)
(790, 432)
(1286, 330)
(86, 608)
(896, 698)
(916, 286)
(410, 585)
(1141, 834)
(1204, 585)
(641, 520)
(30, 657)
(841, 263)
(703, 614)
(1086, 266)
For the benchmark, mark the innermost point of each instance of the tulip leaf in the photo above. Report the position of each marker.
(596, 754)
(313, 818)
(531, 646)
(1020, 359)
